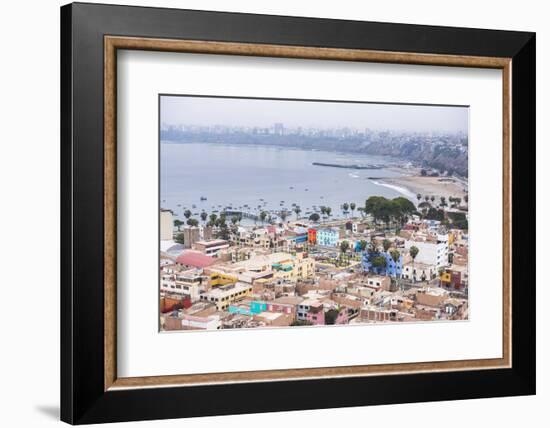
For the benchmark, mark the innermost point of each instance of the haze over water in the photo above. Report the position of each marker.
(264, 176)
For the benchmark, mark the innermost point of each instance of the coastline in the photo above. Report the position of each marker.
(426, 186)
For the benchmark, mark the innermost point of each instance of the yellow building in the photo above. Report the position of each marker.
(224, 296)
(219, 278)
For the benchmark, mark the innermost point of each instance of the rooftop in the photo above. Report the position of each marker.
(195, 259)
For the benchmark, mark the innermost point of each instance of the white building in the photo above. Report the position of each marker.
(182, 282)
(166, 225)
(211, 322)
(418, 271)
(431, 252)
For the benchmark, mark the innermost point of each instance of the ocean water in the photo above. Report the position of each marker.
(255, 178)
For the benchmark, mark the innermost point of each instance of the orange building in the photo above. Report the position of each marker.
(312, 236)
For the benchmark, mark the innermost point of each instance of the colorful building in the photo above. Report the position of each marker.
(392, 268)
(312, 236)
(327, 237)
(224, 296)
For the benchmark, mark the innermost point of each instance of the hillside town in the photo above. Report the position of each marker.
(380, 261)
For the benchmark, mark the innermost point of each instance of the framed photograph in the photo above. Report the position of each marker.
(277, 213)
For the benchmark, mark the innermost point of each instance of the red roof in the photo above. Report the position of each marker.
(195, 259)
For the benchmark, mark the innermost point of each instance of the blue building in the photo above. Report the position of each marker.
(253, 308)
(327, 237)
(392, 268)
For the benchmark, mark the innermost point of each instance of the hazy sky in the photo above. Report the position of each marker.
(176, 110)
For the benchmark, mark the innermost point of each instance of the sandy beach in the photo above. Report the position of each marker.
(436, 186)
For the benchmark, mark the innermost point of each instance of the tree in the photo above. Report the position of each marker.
(344, 247)
(402, 208)
(385, 210)
(204, 216)
(283, 214)
(352, 207)
(263, 216)
(413, 251)
(423, 173)
(314, 217)
(435, 214)
(386, 244)
(297, 210)
(345, 207)
(432, 198)
(328, 210)
(363, 244)
(192, 222)
(443, 201)
(427, 198)
(330, 316)
(418, 196)
(234, 220)
(396, 255)
(187, 214)
(180, 239)
(213, 218)
(178, 223)
(379, 262)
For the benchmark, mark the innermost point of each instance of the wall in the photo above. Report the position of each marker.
(29, 173)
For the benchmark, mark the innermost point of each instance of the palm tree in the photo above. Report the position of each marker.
(418, 196)
(427, 198)
(234, 220)
(187, 214)
(345, 208)
(178, 223)
(297, 210)
(204, 216)
(395, 255)
(344, 246)
(328, 210)
(213, 218)
(283, 214)
(386, 244)
(443, 201)
(432, 198)
(363, 244)
(352, 207)
(263, 216)
(413, 251)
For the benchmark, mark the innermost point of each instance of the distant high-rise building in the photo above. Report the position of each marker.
(166, 225)
(190, 236)
(278, 129)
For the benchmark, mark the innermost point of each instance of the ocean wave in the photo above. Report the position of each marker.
(402, 190)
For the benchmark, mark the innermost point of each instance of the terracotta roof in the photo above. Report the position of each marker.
(195, 259)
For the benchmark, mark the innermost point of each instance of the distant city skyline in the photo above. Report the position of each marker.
(246, 112)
